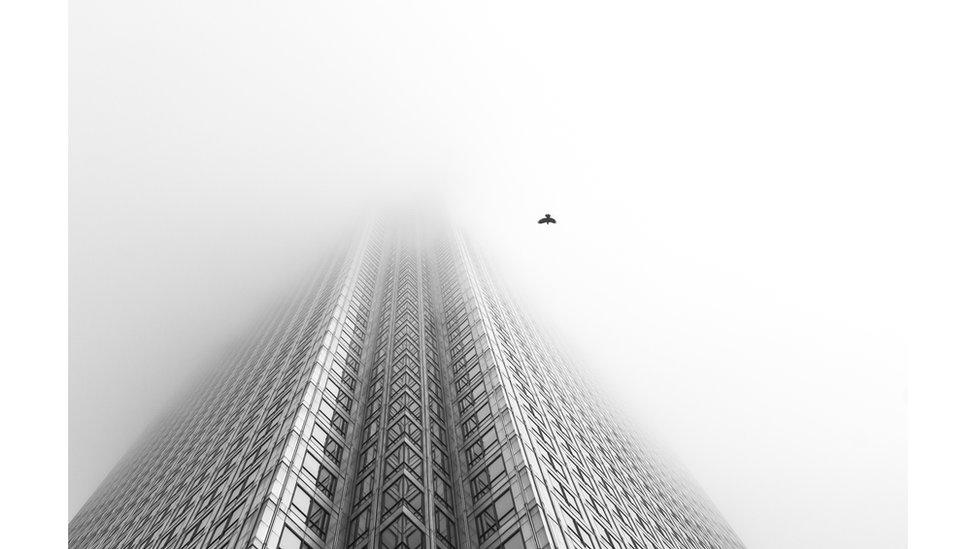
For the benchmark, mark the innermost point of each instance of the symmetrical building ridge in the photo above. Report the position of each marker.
(402, 401)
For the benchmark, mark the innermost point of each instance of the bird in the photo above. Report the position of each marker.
(547, 219)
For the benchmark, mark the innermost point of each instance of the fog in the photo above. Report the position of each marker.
(728, 253)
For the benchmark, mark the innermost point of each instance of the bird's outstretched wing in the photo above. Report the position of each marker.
(552, 220)
(543, 220)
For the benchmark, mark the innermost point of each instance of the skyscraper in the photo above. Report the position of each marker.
(402, 400)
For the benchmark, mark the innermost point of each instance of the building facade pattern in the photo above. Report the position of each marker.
(401, 401)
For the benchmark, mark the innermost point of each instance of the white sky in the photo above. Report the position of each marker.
(729, 255)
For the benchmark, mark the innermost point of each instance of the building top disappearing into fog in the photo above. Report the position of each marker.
(401, 401)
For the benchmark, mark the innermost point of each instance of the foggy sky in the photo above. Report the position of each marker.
(727, 254)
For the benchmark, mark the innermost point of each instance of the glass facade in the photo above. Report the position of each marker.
(402, 400)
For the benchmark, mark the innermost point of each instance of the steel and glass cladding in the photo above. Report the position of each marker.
(401, 401)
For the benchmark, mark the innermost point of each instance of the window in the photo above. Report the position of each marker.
(476, 451)
(466, 401)
(319, 435)
(367, 456)
(436, 408)
(444, 526)
(482, 483)
(442, 489)
(375, 405)
(341, 398)
(438, 457)
(349, 380)
(359, 526)
(326, 410)
(371, 429)
(329, 445)
(436, 430)
(364, 488)
(504, 505)
(333, 450)
(340, 424)
(514, 542)
(290, 540)
(491, 518)
(336, 420)
(344, 401)
(475, 421)
(326, 482)
(331, 388)
(300, 501)
(316, 517)
(324, 479)
(311, 465)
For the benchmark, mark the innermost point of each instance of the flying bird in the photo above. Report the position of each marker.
(547, 220)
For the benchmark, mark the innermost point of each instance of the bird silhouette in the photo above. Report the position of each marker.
(547, 220)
